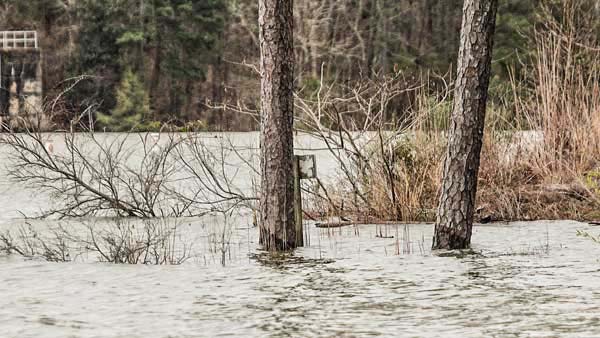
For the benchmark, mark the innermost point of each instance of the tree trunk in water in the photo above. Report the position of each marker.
(277, 231)
(459, 186)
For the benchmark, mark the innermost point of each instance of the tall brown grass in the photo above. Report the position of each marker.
(541, 152)
(548, 175)
(566, 101)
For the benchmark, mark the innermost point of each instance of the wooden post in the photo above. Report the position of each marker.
(298, 203)
(305, 167)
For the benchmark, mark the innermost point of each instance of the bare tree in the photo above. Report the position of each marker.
(277, 231)
(454, 222)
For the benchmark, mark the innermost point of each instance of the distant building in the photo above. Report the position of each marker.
(21, 80)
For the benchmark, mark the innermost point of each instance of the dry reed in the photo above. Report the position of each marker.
(541, 152)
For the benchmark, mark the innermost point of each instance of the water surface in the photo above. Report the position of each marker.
(524, 279)
(535, 279)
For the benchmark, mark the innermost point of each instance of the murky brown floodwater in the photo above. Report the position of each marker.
(534, 279)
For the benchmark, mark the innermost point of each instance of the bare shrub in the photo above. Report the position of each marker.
(93, 176)
(219, 240)
(216, 168)
(28, 243)
(135, 175)
(358, 127)
(156, 241)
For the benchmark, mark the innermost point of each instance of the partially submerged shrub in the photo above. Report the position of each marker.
(414, 163)
(134, 175)
(120, 241)
(27, 242)
(155, 241)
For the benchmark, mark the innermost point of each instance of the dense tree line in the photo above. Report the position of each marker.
(156, 61)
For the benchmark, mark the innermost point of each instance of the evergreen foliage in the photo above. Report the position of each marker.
(133, 105)
(184, 53)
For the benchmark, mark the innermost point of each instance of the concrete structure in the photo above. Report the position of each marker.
(21, 80)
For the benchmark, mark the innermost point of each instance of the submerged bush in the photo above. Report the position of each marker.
(119, 241)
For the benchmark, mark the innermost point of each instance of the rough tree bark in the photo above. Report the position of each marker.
(454, 222)
(277, 231)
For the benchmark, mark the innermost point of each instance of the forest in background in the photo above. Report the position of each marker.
(150, 62)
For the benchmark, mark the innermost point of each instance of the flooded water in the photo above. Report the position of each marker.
(536, 279)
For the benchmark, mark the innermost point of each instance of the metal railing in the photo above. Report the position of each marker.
(18, 40)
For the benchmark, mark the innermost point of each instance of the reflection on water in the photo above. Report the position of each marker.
(520, 280)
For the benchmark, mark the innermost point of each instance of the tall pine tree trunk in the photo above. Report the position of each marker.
(454, 222)
(277, 230)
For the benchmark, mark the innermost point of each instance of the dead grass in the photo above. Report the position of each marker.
(541, 152)
(550, 177)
